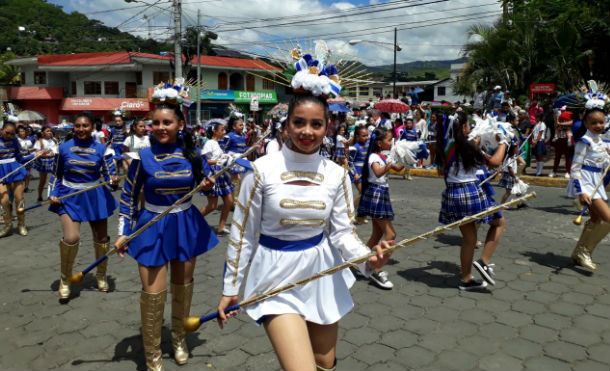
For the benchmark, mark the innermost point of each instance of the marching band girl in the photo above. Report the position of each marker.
(44, 163)
(27, 146)
(361, 145)
(340, 144)
(80, 164)
(118, 133)
(223, 186)
(278, 135)
(464, 197)
(289, 199)
(166, 171)
(590, 159)
(11, 158)
(236, 145)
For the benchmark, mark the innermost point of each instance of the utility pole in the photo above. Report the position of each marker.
(177, 39)
(394, 75)
(198, 68)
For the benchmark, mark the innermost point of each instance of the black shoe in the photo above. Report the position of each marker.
(522, 205)
(381, 280)
(486, 271)
(222, 233)
(473, 284)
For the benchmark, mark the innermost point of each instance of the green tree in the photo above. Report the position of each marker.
(9, 75)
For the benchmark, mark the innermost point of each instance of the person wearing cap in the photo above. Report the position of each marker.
(508, 99)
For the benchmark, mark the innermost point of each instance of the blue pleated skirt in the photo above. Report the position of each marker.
(118, 149)
(223, 186)
(460, 200)
(177, 236)
(44, 165)
(96, 204)
(352, 174)
(17, 176)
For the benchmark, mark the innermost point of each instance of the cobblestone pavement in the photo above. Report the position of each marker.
(543, 313)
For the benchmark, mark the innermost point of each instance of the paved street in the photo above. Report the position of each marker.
(543, 314)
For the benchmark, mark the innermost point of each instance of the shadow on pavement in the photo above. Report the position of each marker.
(555, 262)
(448, 239)
(448, 278)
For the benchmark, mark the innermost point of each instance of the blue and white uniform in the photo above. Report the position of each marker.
(375, 200)
(11, 158)
(45, 164)
(81, 164)
(409, 134)
(166, 176)
(339, 153)
(590, 159)
(294, 243)
(463, 196)
(326, 149)
(119, 133)
(223, 185)
(26, 146)
(236, 145)
(357, 162)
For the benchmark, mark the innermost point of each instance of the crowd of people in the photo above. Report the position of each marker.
(293, 206)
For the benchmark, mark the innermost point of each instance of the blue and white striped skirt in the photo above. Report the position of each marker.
(506, 181)
(223, 186)
(375, 202)
(460, 200)
(339, 153)
(44, 165)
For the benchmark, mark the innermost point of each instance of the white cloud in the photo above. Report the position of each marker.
(228, 18)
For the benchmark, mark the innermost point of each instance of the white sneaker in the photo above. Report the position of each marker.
(551, 175)
(567, 175)
(381, 280)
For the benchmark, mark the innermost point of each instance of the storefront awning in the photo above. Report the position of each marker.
(105, 104)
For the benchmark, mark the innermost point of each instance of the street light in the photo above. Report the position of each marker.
(394, 46)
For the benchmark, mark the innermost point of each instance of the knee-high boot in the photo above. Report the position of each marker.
(101, 248)
(181, 306)
(21, 228)
(6, 211)
(68, 254)
(591, 236)
(152, 306)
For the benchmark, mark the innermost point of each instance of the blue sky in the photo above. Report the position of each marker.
(428, 31)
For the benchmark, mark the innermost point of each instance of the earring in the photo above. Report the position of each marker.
(180, 134)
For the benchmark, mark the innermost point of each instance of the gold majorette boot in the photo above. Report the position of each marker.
(68, 254)
(581, 255)
(181, 306)
(101, 248)
(21, 228)
(5, 209)
(600, 230)
(151, 310)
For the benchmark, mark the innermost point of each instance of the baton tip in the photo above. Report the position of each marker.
(77, 278)
(578, 220)
(191, 324)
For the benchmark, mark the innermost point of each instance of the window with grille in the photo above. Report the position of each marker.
(40, 77)
(93, 87)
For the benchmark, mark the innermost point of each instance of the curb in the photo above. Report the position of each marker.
(542, 181)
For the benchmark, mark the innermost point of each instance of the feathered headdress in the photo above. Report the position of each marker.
(119, 112)
(315, 69)
(10, 116)
(176, 93)
(595, 98)
(234, 112)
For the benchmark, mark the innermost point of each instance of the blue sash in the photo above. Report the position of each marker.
(283, 245)
(592, 169)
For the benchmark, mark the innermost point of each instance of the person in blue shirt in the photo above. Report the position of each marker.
(119, 133)
(356, 162)
(11, 159)
(414, 96)
(79, 164)
(235, 146)
(498, 96)
(167, 170)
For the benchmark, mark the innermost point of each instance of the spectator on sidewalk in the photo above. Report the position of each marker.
(563, 143)
(479, 98)
(533, 109)
(539, 142)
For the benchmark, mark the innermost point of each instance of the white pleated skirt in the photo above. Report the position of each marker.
(588, 181)
(323, 301)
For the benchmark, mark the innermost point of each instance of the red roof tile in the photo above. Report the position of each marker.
(93, 59)
(207, 60)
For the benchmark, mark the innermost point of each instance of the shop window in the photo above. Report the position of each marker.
(22, 78)
(222, 81)
(250, 83)
(111, 87)
(160, 76)
(138, 77)
(73, 88)
(40, 77)
(131, 90)
(268, 84)
(440, 91)
(93, 87)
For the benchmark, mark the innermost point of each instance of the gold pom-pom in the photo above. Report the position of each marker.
(335, 78)
(314, 70)
(296, 54)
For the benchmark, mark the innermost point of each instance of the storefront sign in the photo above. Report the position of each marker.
(104, 104)
(542, 88)
(213, 94)
(263, 96)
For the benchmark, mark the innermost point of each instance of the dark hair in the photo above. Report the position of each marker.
(378, 135)
(188, 144)
(582, 129)
(88, 115)
(357, 131)
(232, 122)
(299, 99)
(9, 123)
(209, 131)
(466, 153)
